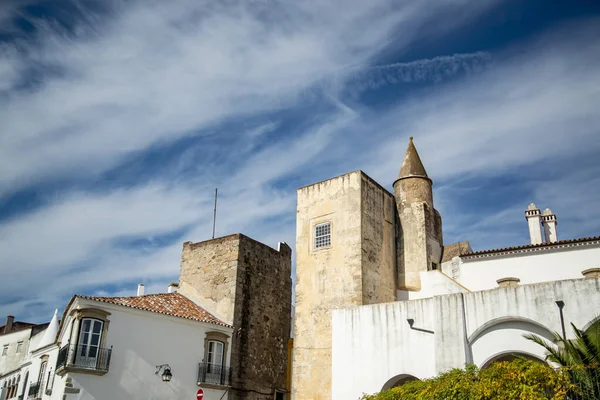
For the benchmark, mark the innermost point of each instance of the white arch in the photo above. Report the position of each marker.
(505, 355)
(398, 380)
(501, 320)
(503, 336)
(591, 323)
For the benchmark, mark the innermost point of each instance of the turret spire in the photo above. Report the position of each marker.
(412, 167)
(51, 331)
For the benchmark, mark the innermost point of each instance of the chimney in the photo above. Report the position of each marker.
(141, 288)
(549, 222)
(9, 323)
(173, 286)
(534, 219)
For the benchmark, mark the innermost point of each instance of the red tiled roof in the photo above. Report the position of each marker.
(560, 243)
(173, 304)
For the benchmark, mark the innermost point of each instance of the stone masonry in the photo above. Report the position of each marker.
(379, 244)
(248, 285)
(359, 267)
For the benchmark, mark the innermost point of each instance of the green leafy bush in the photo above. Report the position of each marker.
(509, 380)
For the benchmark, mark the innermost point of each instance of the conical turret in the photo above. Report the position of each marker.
(51, 331)
(412, 167)
(413, 185)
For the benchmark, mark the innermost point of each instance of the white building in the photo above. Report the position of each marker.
(124, 348)
(16, 340)
(120, 347)
(376, 347)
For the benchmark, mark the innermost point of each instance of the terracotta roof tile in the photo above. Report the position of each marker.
(456, 249)
(173, 304)
(535, 246)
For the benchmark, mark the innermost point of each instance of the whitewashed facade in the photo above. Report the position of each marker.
(111, 348)
(18, 341)
(462, 315)
(132, 343)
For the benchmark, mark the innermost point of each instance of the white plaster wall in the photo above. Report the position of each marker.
(551, 265)
(374, 343)
(30, 360)
(491, 315)
(141, 341)
(13, 360)
(433, 283)
(35, 359)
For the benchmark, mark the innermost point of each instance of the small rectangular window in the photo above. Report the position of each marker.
(323, 235)
(5, 350)
(19, 347)
(279, 396)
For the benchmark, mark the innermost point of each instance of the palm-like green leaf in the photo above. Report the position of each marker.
(579, 358)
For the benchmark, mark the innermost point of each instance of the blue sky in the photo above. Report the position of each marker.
(119, 118)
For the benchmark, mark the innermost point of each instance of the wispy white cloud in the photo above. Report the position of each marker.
(154, 73)
(434, 70)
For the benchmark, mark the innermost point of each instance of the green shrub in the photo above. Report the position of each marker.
(509, 380)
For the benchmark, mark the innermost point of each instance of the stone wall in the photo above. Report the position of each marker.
(326, 278)
(378, 259)
(262, 320)
(248, 285)
(208, 274)
(357, 268)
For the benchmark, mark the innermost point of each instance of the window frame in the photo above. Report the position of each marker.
(4, 350)
(220, 337)
(324, 238)
(42, 373)
(215, 344)
(19, 347)
(78, 315)
(90, 333)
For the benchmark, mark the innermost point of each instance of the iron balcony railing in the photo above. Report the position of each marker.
(83, 356)
(214, 374)
(35, 391)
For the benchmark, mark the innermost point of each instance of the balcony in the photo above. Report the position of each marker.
(83, 359)
(213, 375)
(35, 391)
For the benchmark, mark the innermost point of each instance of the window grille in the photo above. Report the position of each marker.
(323, 235)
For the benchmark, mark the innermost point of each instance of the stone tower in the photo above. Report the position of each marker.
(345, 256)
(246, 284)
(419, 243)
(356, 244)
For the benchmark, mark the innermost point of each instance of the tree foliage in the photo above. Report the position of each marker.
(508, 380)
(579, 358)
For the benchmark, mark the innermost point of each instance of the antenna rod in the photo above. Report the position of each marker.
(215, 214)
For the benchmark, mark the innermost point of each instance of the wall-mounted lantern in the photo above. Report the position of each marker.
(166, 372)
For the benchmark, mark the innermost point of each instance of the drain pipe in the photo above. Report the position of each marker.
(468, 353)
